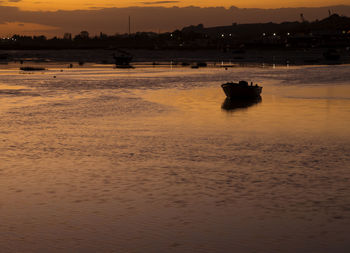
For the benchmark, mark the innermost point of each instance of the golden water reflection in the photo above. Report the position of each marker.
(284, 110)
(100, 168)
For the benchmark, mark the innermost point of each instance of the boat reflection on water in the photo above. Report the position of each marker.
(239, 104)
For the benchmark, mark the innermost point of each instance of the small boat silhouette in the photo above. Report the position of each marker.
(241, 90)
(32, 68)
(122, 59)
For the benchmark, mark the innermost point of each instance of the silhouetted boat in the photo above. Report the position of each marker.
(202, 64)
(199, 65)
(32, 68)
(123, 59)
(239, 103)
(241, 90)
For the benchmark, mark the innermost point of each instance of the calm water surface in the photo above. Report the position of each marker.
(155, 160)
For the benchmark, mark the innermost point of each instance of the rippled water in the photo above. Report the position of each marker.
(155, 160)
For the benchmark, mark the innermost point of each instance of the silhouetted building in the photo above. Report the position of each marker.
(67, 36)
(84, 34)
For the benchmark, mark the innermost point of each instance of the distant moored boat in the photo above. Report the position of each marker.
(32, 68)
(122, 59)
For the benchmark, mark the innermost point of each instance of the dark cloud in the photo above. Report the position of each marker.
(159, 2)
(14, 1)
(115, 20)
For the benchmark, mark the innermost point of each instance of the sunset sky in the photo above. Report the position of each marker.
(56, 17)
(87, 4)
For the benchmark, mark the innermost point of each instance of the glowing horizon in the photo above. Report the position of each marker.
(111, 19)
(54, 5)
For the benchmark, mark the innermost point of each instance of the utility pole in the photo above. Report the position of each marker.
(129, 26)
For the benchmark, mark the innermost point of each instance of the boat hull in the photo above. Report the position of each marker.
(122, 60)
(233, 90)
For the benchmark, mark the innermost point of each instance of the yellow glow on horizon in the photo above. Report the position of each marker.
(53, 5)
(8, 29)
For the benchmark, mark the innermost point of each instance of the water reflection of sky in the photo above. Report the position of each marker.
(287, 110)
(147, 160)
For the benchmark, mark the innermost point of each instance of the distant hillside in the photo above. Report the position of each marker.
(156, 19)
(333, 23)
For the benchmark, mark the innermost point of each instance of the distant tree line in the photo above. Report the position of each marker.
(139, 40)
(332, 31)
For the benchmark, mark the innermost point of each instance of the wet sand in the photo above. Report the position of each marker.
(154, 160)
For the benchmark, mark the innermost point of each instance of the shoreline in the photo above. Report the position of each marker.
(178, 57)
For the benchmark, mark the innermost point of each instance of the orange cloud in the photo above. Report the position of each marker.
(87, 4)
(115, 20)
(10, 28)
